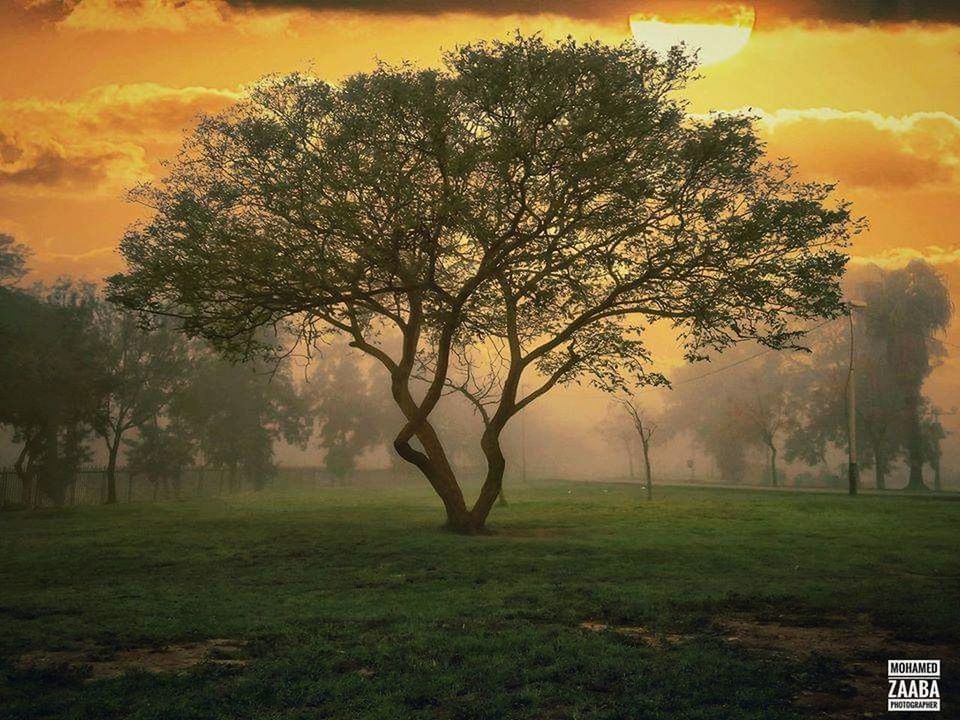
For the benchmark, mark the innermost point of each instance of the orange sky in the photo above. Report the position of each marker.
(95, 93)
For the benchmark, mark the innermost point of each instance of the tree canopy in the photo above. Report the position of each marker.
(523, 212)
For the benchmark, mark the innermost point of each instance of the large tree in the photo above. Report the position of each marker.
(521, 214)
(905, 308)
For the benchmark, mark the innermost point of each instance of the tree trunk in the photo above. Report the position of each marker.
(493, 482)
(632, 475)
(936, 475)
(435, 466)
(773, 465)
(915, 446)
(112, 451)
(878, 470)
(24, 474)
(646, 469)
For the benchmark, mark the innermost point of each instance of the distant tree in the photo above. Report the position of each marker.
(52, 381)
(821, 390)
(236, 412)
(145, 367)
(746, 407)
(644, 427)
(541, 202)
(349, 410)
(13, 260)
(619, 434)
(904, 308)
(161, 454)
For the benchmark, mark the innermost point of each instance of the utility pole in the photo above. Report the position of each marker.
(853, 473)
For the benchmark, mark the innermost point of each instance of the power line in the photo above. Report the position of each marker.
(765, 351)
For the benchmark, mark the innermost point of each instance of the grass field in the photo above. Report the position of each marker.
(586, 602)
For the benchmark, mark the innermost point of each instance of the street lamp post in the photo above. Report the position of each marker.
(853, 470)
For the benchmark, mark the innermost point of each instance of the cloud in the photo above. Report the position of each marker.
(772, 11)
(179, 15)
(862, 149)
(900, 256)
(97, 143)
(31, 163)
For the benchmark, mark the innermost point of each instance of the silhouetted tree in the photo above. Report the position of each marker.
(349, 410)
(746, 408)
(644, 427)
(161, 454)
(235, 412)
(145, 367)
(13, 260)
(904, 308)
(532, 204)
(767, 403)
(821, 390)
(52, 381)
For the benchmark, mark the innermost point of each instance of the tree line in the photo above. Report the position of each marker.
(792, 407)
(79, 373)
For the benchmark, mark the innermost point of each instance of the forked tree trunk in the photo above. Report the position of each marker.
(493, 482)
(436, 468)
(112, 451)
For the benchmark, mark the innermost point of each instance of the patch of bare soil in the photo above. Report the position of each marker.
(855, 654)
(102, 663)
(636, 632)
(859, 648)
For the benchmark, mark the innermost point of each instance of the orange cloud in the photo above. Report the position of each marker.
(34, 163)
(98, 143)
(866, 149)
(900, 256)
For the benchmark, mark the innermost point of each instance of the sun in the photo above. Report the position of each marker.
(715, 40)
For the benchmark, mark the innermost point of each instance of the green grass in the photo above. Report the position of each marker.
(354, 604)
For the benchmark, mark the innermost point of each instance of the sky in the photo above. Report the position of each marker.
(96, 94)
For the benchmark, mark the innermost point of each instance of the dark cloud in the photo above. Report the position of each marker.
(50, 167)
(774, 12)
(43, 163)
(770, 13)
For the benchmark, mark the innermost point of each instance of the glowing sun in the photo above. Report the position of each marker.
(715, 40)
